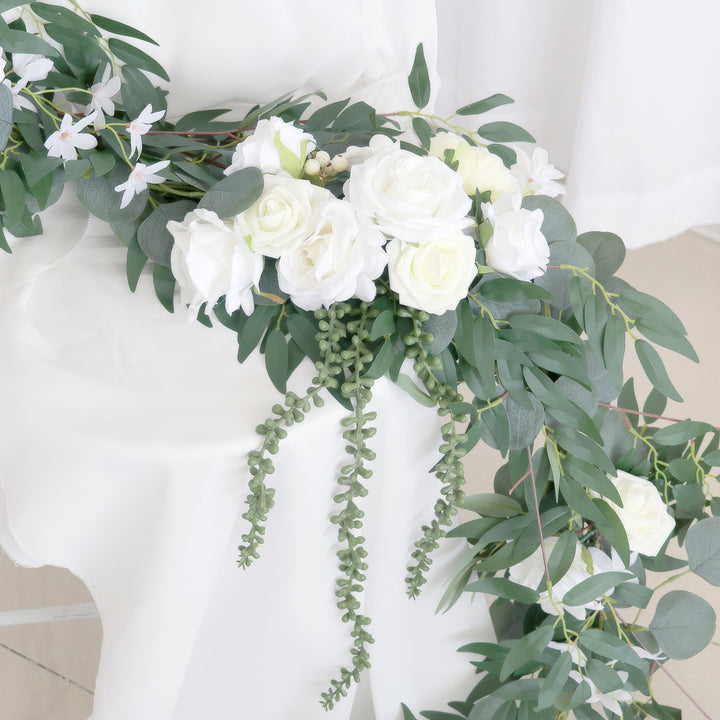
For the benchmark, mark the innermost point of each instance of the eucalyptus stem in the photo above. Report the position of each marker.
(352, 556)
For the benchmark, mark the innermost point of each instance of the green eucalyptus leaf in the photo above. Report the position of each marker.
(118, 28)
(504, 588)
(253, 330)
(164, 284)
(100, 198)
(502, 131)
(383, 360)
(492, 505)
(102, 162)
(556, 280)
(442, 327)
(614, 348)
(555, 680)
(702, 544)
(667, 338)
(303, 332)
(423, 131)
(136, 58)
(136, 261)
(154, 237)
(64, 17)
(525, 650)
(419, 79)
(76, 168)
(13, 197)
(482, 106)
(650, 309)
(655, 369)
(594, 587)
(558, 225)
(37, 166)
(502, 290)
(545, 326)
(633, 594)
(325, 116)
(276, 359)
(407, 715)
(607, 250)
(682, 432)
(6, 115)
(234, 194)
(562, 556)
(683, 625)
(4, 246)
(505, 153)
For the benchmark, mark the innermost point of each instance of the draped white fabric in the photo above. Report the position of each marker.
(124, 431)
(622, 94)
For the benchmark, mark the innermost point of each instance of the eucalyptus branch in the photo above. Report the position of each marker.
(349, 520)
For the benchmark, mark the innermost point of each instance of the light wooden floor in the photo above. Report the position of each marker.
(47, 671)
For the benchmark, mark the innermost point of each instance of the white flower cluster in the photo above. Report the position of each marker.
(400, 209)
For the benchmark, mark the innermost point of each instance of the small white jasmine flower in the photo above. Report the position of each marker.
(19, 102)
(31, 68)
(140, 177)
(138, 127)
(102, 94)
(62, 142)
(576, 655)
(610, 700)
(536, 175)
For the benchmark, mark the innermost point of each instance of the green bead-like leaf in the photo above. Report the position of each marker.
(683, 625)
(419, 79)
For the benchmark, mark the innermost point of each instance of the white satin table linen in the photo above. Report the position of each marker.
(125, 431)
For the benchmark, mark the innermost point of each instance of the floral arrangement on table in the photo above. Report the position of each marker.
(327, 232)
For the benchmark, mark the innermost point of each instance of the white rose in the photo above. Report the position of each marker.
(407, 196)
(477, 166)
(434, 276)
(339, 260)
(517, 246)
(275, 146)
(210, 260)
(644, 515)
(282, 216)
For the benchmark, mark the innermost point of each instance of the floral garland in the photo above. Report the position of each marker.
(334, 235)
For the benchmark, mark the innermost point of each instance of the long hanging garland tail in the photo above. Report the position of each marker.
(449, 470)
(352, 556)
(261, 498)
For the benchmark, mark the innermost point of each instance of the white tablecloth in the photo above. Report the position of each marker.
(124, 433)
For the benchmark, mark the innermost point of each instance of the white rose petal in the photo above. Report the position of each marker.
(210, 260)
(282, 216)
(339, 260)
(517, 246)
(644, 515)
(407, 196)
(275, 146)
(434, 276)
(480, 169)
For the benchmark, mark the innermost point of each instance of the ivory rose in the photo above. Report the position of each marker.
(644, 515)
(275, 146)
(210, 260)
(477, 166)
(433, 276)
(517, 246)
(337, 261)
(406, 196)
(282, 216)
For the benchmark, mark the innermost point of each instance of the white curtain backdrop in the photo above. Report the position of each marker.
(623, 95)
